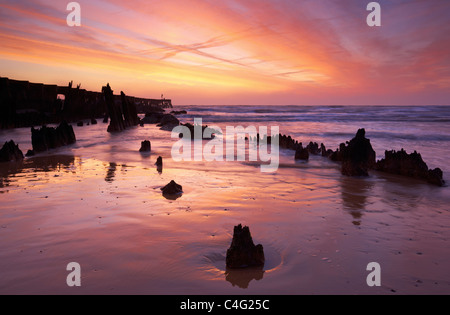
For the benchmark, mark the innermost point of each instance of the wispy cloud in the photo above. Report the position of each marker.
(253, 51)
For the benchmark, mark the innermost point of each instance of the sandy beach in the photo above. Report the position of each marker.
(98, 203)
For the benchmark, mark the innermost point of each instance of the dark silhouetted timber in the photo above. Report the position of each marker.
(157, 116)
(243, 252)
(129, 111)
(10, 152)
(159, 164)
(123, 115)
(168, 122)
(358, 156)
(324, 151)
(25, 104)
(336, 156)
(152, 118)
(302, 153)
(313, 148)
(116, 111)
(204, 128)
(30, 153)
(287, 142)
(146, 146)
(411, 165)
(172, 190)
(178, 112)
(47, 138)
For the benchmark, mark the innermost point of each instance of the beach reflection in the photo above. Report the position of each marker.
(3, 183)
(243, 277)
(354, 192)
(172, 197)
(111, 172)
(11, 174)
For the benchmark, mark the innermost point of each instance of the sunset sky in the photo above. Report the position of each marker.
(300, 52)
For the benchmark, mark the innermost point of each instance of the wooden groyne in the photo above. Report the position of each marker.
(26, 104)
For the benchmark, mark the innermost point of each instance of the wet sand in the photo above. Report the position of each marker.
(101, 206)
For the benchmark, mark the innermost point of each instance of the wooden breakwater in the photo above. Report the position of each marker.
(26, 104)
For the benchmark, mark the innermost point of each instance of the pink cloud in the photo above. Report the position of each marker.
(291, 52)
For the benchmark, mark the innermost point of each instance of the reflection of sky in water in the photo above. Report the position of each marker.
(40, 170)
(100, 200)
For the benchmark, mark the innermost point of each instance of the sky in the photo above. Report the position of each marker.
(230, 52)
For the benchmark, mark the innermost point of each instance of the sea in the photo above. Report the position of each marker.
(425, 129)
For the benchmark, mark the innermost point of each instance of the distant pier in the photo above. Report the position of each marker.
(143, 104)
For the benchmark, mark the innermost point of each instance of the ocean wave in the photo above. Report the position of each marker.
(412, 114)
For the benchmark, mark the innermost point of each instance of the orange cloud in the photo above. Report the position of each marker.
(259, 52)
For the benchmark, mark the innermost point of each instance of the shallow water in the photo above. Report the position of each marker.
(98, 203)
